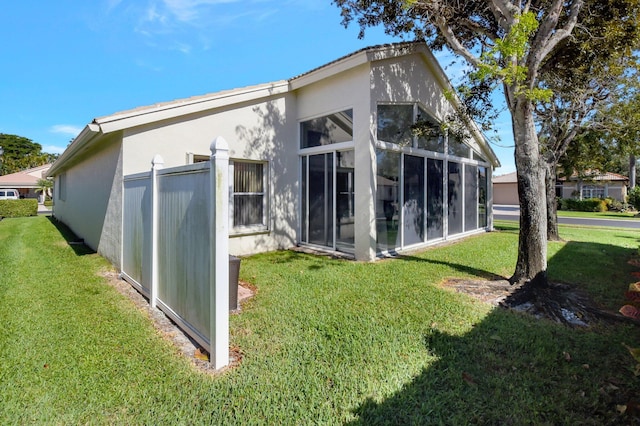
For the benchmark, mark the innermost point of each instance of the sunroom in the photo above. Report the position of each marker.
(431, 184)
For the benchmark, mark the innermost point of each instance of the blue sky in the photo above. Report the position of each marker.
(67, 62)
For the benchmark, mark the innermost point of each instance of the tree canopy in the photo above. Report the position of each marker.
(21, 153)
(528, 49)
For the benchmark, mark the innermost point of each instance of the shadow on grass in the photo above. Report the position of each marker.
(77, 244)
(514, 369)
(466, 269)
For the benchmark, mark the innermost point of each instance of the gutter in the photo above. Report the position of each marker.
(82, 141)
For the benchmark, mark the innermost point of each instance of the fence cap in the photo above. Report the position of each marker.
(219, 144)
(157, 160)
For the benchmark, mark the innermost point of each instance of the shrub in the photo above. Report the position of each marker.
(634, 197)
(614, 205)
(18, 208)
(589, 205)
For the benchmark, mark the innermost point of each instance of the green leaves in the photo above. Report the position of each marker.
(504, 60)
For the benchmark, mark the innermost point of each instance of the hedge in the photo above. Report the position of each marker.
(18, 208)
(588, 205)
(634, 197)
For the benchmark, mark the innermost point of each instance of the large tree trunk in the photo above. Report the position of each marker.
(552, 205)
(532, 244)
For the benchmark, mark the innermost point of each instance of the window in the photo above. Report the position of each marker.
(249, 196)
(482, 197)
(593, 191)
(62, 186)
(457, 147)
(394, 124)
(409, 125)
(429, 135)
(330, 129)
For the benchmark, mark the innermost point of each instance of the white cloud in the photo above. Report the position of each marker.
(53, 149)
(190, 10)
(66, 129)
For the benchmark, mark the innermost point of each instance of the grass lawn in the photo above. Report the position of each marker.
(600, 215)
(324, 341)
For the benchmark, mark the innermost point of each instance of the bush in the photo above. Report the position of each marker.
(18, 208)
(634, 197)
(589, 205)
(614, 205)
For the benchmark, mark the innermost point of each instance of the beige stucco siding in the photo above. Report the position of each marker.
(92, 204)
(505, 193)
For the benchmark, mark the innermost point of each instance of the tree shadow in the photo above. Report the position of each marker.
(511, 368)
(466, 269)
(76, 243)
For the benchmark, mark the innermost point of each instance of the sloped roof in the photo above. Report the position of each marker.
(166, 110)
(597, 175)
(506, 178)
(25, 178)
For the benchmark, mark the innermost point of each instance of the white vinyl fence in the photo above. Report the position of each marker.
(175, 245)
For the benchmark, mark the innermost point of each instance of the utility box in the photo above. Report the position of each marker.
(234, 273)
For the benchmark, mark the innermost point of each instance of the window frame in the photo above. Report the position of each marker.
(62, 186)
(593, 189)
(252, 228)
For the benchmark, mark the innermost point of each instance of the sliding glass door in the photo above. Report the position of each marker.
(328, 200)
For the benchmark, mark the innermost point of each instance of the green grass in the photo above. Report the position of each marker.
(600, 215)
(324, 341)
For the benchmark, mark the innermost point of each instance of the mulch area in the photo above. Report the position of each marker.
(185, 346)
(561, 303)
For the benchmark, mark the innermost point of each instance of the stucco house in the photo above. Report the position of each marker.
(593, 184)
(25, 181)
(505, 189)
(326, 159)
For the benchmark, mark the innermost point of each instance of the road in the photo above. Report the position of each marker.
(504, 212)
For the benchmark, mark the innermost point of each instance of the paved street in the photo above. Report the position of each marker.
(504, 212)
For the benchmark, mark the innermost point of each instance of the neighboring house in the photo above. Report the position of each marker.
(590, 185)
(505, 189)
(26, 181)
(326, 159)
(593, 184)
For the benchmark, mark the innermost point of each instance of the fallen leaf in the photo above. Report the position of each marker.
(496, 337)
(634, 262)
(202, 355)
(467, 378)
(585, 366)
(46, 366)
(621, 409)
(633, 296)
(630, 311)
(567, 356)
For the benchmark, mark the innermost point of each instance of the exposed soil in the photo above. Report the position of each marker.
(558, 302)
(185, 346)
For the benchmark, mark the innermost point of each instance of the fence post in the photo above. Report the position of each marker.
(219, 252)
(156, 164)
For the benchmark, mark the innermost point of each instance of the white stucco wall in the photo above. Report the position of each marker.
(92, 206)
(265, 130)
(351, 90)
(409, 79)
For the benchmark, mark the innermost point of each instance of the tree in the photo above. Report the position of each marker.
(44, 186)
(21, 153)
(587, 73)
(506, 42)
(613, 143)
